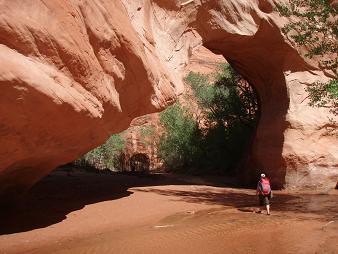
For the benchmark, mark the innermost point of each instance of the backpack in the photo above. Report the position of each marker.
(265, 186)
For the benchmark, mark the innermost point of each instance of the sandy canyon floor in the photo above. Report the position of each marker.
(105, 213)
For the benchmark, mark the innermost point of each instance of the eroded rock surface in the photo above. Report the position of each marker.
(143, 135)
(73, 72)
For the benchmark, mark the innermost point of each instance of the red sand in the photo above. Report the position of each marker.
(92, 213)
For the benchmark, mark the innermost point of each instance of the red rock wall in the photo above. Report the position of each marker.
(201, 61)
(73, 72)
(293, 144)
(142, 138)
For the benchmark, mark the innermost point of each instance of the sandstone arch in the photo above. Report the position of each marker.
(73, 72)
(291, 144)
(264, 67)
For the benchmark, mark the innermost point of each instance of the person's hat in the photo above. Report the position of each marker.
(262, 175)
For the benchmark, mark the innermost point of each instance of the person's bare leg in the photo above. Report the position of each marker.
(268, 209)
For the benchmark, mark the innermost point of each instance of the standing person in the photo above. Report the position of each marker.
(264, 192)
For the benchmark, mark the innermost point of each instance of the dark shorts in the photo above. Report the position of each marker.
(264, 200)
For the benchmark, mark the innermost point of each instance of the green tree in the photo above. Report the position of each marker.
(106, 155)
(230, 99)
(229, 113)
(313, 26)
(178, 146)
(231, 110)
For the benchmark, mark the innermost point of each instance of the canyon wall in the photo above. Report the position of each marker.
(71, 73)
(74, 72)
(143, 135)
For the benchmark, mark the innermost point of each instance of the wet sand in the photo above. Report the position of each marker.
(107, 213)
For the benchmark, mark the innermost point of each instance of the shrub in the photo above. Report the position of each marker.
(178, 146)
(313, 26)
(106, 156)
(230, 109)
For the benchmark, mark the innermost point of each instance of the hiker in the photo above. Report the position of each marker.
(264, 193)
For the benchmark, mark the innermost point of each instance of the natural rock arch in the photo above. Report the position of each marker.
(248, 34)
(266, 74)
(77, 71)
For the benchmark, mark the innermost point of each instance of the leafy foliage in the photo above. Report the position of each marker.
(314, 26)
(201, 87)
(179, 145)
(105, 156)
(230, 111)
(324, 94)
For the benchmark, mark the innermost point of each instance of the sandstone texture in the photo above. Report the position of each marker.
(74, 72)
(141, 139)
(71, 73)
(143, 135)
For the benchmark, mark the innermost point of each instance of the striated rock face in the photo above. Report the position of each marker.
(141, 138)
(143, 135)
(73, 72)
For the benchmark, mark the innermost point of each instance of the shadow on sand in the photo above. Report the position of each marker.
(245, 200)
(60, 193)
